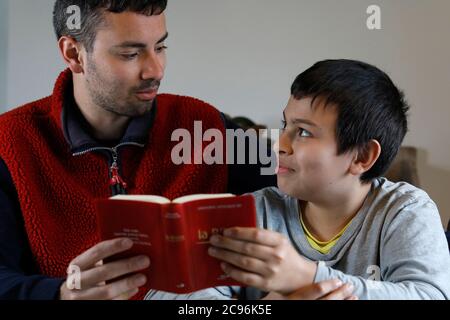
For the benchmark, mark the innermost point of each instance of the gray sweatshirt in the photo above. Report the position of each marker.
(394, 248)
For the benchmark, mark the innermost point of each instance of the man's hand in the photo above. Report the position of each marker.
(325, 290)
(94, 275)
(262, 259)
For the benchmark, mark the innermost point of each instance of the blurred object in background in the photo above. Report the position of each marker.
(404, 167)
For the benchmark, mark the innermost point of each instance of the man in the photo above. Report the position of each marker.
(104, 131)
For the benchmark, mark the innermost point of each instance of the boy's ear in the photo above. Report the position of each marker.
(365, 158)
(72, 54)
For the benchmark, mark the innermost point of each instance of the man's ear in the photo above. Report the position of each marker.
(71, 52)
(365, 158)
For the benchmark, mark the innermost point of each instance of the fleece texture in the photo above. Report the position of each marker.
(57, 190)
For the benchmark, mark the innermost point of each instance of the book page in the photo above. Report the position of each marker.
(142, 198)
(201, 197)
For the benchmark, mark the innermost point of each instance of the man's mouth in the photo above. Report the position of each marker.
(148, 94)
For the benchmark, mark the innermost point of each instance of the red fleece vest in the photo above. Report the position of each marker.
(57, 190)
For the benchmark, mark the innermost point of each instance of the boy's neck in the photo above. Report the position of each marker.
(325, 220)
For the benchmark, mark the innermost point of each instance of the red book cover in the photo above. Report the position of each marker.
(175, 235)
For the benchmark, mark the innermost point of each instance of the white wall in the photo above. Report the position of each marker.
(33, 60)
(3, 50)
(242, 55)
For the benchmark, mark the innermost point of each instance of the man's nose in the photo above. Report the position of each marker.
(153, 68)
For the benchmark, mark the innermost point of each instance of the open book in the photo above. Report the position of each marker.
(175, 235)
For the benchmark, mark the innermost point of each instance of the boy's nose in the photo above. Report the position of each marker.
(283, 145)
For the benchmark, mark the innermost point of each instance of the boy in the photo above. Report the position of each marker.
(333, 216)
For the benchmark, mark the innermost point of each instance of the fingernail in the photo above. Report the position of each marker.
(141, 280)
(214, 239)
(127, 243)
(211, 251)
(144, 262)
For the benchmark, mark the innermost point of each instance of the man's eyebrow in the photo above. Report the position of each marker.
(139, 45)
(163, 38)
(131, 44)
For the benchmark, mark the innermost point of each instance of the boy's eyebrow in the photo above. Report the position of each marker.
(304, 121)
(139, 45)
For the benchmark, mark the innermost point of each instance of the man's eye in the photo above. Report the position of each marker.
(161, 49)
(304, 133)
(130, 56)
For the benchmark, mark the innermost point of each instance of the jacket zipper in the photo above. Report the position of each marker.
(118, 185)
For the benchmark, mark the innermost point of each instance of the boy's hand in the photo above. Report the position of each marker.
(93, 275)
(263, 259)
(325, 290)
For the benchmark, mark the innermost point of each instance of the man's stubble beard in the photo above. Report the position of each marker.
(109, 94)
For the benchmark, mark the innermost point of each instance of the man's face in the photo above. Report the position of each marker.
(310, 168)
(124, 70)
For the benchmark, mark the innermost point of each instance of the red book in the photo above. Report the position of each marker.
(175, 235)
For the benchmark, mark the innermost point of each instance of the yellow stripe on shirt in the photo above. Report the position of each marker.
(323, 247)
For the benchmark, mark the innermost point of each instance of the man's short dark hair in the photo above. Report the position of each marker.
(92, 15)
(369, 106)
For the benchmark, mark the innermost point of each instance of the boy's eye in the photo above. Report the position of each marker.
(304, 133)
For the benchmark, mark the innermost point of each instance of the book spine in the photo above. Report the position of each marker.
(176, 254)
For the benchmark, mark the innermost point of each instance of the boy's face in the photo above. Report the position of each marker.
(124, 70)
(309, 167)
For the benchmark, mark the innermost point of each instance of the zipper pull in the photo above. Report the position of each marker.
(116, 179)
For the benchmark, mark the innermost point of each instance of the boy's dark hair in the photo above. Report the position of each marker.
(92, 15)
(369, 106)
